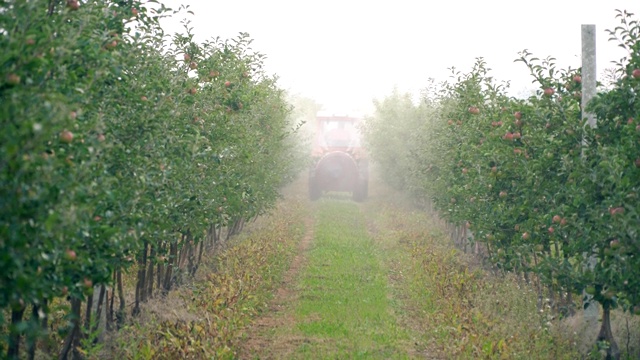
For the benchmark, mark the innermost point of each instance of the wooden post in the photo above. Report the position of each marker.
(589, 77)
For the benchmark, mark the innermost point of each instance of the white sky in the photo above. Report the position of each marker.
(345, 53)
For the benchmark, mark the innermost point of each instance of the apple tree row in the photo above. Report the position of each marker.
(547, 195)
(122, 148)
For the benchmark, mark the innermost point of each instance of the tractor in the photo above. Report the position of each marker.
(339, 162)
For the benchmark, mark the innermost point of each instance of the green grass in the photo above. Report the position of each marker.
(344, 308)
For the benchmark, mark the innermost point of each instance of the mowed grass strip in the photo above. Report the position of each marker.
(344, 309)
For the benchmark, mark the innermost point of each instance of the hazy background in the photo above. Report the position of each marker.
(345, 53)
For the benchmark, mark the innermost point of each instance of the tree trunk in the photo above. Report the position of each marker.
(110, 302)
(101, 297)
(13, 352)
(120, 315)
(149, 287)
(199, 257)
(44, 324)
(613, 353)
(160, 269)
(87, 314)
(32, 340)
(191, 256)
(73, 334)
(173, 254)
(217, 230)
(140, 285)
(184, 240)
(537, 283)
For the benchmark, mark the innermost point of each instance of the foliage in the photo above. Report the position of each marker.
(544, 192)
(117, 143)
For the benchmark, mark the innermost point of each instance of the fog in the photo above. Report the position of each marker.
(343, 54)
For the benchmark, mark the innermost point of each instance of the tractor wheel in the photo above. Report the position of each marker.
(314, 190)
(362, 191)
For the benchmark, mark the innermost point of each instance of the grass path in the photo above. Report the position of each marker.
(381, 280)
(341, 304)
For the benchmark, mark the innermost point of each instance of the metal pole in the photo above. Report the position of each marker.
(588, 71)
(589, 77)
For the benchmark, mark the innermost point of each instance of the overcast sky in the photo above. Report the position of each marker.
(344, 53)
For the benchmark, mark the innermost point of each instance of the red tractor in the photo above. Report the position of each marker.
(339, 163)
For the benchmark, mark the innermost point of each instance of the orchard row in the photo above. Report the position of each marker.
(123, 148)
(546, 194)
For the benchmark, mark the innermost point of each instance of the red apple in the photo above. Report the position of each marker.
(227, 83)
(577, 78)
(508, 136)
(71, 255)
(186, 57)
(144, 98)
(88, 283)
(193, 91)
(134, 11)
(518, 115)
(556, 218)
(494, 169)
(464, 170)
(551, 229)
(502, 194)
(66, 136)
(13, 79)
(548, 91)
(636, 73)
(101, 137)
(525, 235)
(563, 222)
(615, 243)
(450, 122)
(193, 65)
(112, 44)
(474, 110)
(637, 162)
(73, 4)
(616, 210)
(516, 135)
